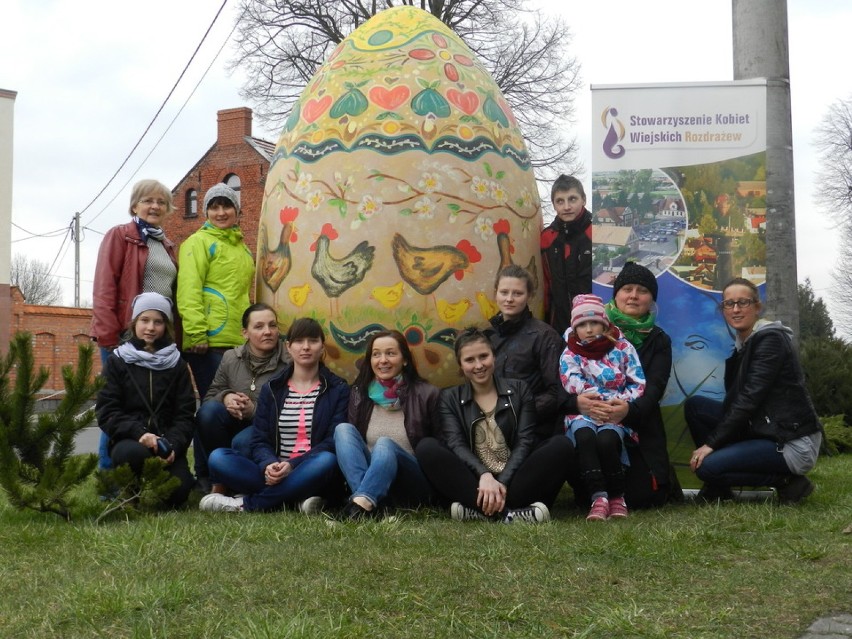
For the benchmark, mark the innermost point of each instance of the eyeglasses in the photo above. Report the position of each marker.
(743, 303)
(150, 201)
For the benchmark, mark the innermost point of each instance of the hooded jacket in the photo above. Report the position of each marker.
(234, 374)
(566, 256)
(214, 279)
(123, 414)
(329, 411)
(766, 396)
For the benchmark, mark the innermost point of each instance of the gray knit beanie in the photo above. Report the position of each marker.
(152, 302)
(221, 190)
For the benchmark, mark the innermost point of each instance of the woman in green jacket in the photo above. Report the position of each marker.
(215, 275)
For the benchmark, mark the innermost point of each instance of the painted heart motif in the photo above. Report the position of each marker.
(389, 99)
(315, 108)
(466, 101)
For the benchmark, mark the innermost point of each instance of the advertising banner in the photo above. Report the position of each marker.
(679, 185)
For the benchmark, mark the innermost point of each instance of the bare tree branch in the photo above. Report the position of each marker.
(33, 277)
(281, 44)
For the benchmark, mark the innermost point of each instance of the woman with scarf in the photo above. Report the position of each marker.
(216, 274)
(133, 258)
(650, 479)
(228, 409)
(391, 409)
(147, 403)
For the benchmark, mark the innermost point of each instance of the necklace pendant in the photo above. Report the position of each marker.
(253, 387)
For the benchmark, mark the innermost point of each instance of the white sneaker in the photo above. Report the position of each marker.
(536, 513)
(216, 502)
(460, 512)
(312, 505)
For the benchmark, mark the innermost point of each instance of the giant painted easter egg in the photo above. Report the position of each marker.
(399, 187)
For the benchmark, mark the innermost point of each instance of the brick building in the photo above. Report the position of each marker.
(56, 331)
(237, 159)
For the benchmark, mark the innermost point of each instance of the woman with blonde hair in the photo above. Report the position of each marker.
(134, 258)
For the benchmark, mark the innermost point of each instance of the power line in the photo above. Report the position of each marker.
(168, 128)
(54, 233)
(58, 253)
(156, 115)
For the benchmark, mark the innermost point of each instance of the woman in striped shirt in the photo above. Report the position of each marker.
(293, 460)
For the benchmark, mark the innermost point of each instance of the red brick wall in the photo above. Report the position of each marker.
(56, 331)
(230, 154)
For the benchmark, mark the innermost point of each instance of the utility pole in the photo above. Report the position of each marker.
(77, 259)
(761, 50)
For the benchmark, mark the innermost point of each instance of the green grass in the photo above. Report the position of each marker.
(734, 570)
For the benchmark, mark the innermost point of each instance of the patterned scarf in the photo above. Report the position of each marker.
(385, 392)
(635, 330)
(594, 348)
(146, 230)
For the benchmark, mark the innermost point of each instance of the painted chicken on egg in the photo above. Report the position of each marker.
(412, 185)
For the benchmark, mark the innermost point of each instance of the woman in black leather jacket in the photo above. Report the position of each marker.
(766, 432)
(487, 465)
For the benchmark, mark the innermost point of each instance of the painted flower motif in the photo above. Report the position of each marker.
(424, 208)
(339, 181)
(480, 188)
(526, 198)
(303, 183)
(314, 200)
(430, 183)
(369, 206)
(484, 227)
(499, 193)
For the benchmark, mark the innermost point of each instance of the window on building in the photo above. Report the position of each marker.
(233, 181)
(191, 208)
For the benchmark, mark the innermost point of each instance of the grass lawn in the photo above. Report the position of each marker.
(733, 570)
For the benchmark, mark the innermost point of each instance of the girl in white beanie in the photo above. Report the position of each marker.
(147, 404)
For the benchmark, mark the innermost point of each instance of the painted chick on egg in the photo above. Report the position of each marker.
(400, 185)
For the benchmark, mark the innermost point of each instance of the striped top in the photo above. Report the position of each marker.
(295, 421)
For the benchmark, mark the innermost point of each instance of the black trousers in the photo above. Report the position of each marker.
(539, 478)
(128, 451)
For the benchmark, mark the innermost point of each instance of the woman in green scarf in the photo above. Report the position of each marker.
(650, 478)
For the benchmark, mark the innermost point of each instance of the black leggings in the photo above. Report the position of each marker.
(599, 459)
(128, 451)
(539, 477)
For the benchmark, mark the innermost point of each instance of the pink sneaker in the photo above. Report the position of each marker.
(599, 511)
(617, 507)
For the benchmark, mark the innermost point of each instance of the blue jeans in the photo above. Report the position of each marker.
(242, 475)
(751, 462)
(104, 459)
(217, 428)
(386, 469)
(203, 369)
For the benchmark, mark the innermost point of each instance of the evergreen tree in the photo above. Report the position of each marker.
(38, 467)
(814, 320)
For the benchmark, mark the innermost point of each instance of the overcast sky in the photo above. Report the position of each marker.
(91, 75)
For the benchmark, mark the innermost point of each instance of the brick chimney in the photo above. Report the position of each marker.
(233, 125)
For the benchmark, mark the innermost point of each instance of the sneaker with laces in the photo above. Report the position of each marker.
(617, 507)
(217, 502)
(311, 505)
(536, 513)
(460, 512)
(599, 510)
